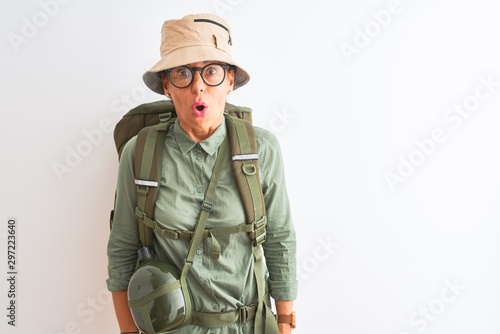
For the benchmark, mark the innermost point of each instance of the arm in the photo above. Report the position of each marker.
(123, 240)
(280, 245)
(123, 315)
(284, 307)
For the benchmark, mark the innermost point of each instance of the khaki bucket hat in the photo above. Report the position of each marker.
(194, 38)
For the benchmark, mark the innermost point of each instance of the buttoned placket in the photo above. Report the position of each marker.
(197, 155)
(199, 158)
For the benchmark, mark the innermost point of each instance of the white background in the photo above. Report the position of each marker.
(349, 88)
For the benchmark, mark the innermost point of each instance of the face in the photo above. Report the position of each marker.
(199, 107)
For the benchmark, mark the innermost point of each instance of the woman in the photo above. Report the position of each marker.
(197, 73)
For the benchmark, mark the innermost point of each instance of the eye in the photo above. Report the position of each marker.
(181, 72)
(212, 70)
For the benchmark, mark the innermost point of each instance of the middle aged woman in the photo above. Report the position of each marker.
(197, 73)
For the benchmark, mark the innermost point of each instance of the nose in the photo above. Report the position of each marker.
(198, 85)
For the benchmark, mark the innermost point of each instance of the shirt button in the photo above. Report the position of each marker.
(198, 251)
(198, 157)
(199, 190)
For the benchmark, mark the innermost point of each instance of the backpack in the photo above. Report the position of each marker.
(150, 122)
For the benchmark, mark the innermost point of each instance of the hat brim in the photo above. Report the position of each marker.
(189, 55)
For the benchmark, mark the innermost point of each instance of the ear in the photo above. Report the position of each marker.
(165, 82)
(230, 78)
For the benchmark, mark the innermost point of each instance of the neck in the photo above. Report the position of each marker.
(201, 130)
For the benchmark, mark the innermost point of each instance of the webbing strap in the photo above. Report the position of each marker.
(207, 233)
(147, 319)
(259, 278)
(246, 172)
(144, 300)
(222, 319)
(265, 322)
(148, 153)
(142, 193)
(205, 209)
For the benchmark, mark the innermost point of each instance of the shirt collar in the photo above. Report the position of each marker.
(209, 145)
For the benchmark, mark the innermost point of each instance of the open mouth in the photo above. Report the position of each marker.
(199, 108)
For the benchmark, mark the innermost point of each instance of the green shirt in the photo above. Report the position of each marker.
(228, 282)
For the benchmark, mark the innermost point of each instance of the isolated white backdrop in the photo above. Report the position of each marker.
(388, 116)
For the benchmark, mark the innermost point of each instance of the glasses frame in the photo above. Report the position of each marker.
(195, 69)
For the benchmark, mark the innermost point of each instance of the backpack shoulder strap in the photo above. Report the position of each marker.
(246, 172)
(148, 156)
(245, 165)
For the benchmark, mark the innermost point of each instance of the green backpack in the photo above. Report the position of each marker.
(150, 122)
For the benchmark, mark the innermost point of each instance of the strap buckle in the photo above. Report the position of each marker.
(207, 206)
(243, 314)
(260, 232)
(165, 117)
(139, 214)
(260, 238)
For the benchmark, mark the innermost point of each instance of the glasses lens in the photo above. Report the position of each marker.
(213, 74)
(181, 76)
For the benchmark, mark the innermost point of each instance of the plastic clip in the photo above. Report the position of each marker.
(207, 206)
(243, 310)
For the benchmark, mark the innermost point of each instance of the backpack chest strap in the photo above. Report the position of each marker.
(255, 227)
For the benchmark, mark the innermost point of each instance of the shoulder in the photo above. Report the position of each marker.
(268, 146)
(128, 153)
(265, 137)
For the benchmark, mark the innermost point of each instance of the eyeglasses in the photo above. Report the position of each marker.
(212, 74)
